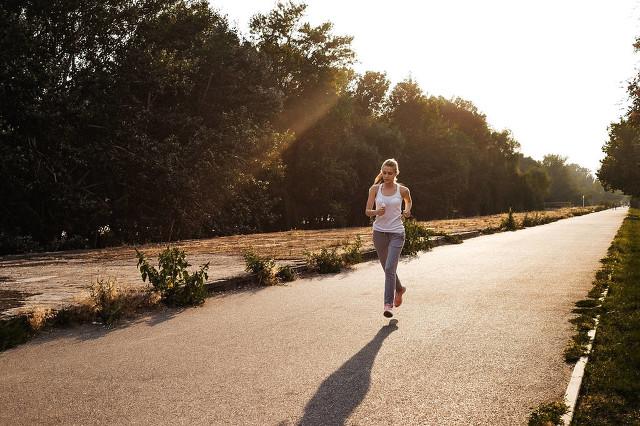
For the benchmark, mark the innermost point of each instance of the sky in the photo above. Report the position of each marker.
(553, 72)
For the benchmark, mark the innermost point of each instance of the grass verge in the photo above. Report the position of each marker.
(610, 393)
(548, 414)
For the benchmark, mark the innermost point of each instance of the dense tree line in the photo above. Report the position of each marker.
(620, 169)
(132, 121)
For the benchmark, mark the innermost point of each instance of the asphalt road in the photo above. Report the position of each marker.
(478, 340)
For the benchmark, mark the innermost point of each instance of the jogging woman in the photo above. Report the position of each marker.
(388, 229)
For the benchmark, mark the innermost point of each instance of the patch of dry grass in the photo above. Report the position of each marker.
(37, 318)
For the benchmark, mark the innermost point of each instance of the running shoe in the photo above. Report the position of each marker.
(388, 310)
(398, 299)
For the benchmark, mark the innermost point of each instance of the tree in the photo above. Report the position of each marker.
(142, 118)
(370, 93)
(537, 182)
(620, 169)
(310, 64)
(562, 187)
(311, 67)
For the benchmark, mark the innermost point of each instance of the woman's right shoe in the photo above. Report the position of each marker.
(388, 311)
(398, 299)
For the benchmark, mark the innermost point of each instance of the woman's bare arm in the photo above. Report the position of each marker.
(408, 202)
(369, 211)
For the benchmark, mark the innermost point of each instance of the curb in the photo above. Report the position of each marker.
(573, 388)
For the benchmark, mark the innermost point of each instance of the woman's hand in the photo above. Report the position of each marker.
(406, 214)
(380, 211)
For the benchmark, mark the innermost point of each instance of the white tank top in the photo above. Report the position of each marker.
(391, 221)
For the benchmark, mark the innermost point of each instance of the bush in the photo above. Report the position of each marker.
(416, 238)
(535, 220)
(75, 314)
(66, 242)
(491, 230)
(14, 331)
(173, 281)
(18, 244)
(451, 239)
(352, 254)
(327, 261)
(263, 267)
(509, 223)
(109, 301)
(38, 318)
(285, 274)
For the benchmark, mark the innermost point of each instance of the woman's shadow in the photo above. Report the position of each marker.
(344, 390)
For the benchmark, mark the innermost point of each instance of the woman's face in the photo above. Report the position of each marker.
(388, 174)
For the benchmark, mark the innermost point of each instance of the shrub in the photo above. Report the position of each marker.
(285, 274)
(448, 238)
(509, 223)
(74, 314)
(263, 267)
(68, 242)
(491, 229)
(548, 414)
(14, 331)
(534, 220)
(38, 318)
(172, 280)
(352, 253)
(106, 299)
(416, 238)
(17, 244)
(327, 261)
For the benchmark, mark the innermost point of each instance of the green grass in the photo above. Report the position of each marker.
(611, 387)
(548, 414)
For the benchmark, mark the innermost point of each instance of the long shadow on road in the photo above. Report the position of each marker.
(344, 390)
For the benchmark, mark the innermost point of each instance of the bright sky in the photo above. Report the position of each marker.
(554, 72)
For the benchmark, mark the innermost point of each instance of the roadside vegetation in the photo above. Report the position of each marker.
(107, 303)
(331, 260)
(417, 238)
(172, 279)
(509, 223)
(264, 268)
(610, 393)
(110, 301)
(549, 414)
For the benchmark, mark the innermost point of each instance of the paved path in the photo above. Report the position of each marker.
(479, 340)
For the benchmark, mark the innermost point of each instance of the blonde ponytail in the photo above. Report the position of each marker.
(378, 179)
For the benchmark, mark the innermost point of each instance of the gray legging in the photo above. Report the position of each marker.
(389, 245)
